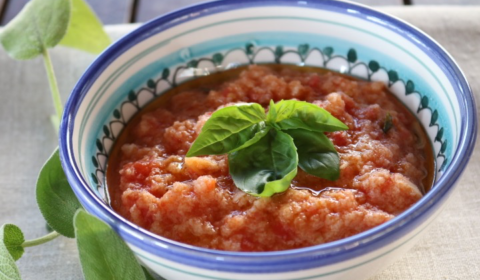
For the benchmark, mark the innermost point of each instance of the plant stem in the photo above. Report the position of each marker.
(39, 241)
(57, 101)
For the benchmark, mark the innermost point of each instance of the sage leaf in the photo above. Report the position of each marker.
(12, 237)
(85, 31)
(316, 154)
(55, 197)
(103, 254)
(8, 268)
(227, 129)
(266, 167)
(293, 114)
(41, 24)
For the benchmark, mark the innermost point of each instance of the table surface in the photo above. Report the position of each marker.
(449, 250)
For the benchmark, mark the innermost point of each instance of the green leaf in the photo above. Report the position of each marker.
(103, 254)
(55, 198)
(85, 31)
(292, 114)
(259, 135)
(13, 239)
(266, 167)
(316, 154)
(41, 24)
(228, 129)
(388, 123)
(8, 268)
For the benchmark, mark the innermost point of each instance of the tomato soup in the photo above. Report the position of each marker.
(386, 164)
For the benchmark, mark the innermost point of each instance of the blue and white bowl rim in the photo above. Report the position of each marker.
(279, 261)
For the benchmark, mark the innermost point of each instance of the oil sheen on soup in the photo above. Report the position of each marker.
(194, 200)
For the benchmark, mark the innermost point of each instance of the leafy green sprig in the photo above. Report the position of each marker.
(43, 24)
(264, 150)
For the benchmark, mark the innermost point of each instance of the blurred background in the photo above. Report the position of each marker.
(129, 11)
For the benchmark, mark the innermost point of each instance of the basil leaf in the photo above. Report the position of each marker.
(227, 129)
(13, 239)
(85, 31)
(55, 197)
(293, 114)
(259, 135)
(41, 24)
(316, 154)
(8, 268)
(267, 166)
(103, 254)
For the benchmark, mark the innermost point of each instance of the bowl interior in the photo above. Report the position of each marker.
(163, 54)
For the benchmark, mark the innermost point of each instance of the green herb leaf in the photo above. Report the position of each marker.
(8, 268)
(266, 167)
(316, 154)
(292, 114)
(13, 239)
(259, 135)
(41, 24)
(388, 123)
(55, 198)
(103, 254)
(85, 31)
(262, 159)
(228, 129)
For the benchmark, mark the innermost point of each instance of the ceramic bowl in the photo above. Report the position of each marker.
(210, 37)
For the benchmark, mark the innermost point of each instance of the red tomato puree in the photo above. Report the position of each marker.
(194, 201)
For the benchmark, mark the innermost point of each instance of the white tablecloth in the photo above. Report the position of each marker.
(449, 250)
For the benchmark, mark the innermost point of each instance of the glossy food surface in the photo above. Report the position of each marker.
(385, 165)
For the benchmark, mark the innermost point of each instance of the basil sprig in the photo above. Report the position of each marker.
(265, 150)
(228, 128)
(267, 166)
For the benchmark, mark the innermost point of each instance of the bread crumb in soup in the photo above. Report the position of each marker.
(194, 201)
